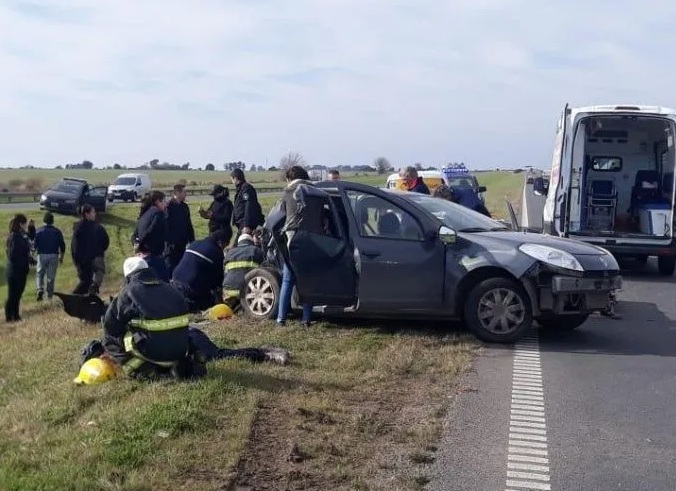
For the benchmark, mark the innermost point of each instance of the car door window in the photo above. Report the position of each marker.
(379, 218)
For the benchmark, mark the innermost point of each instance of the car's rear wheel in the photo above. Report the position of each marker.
(498, 310)
(259, 295)
(666, 265)
(563, 322)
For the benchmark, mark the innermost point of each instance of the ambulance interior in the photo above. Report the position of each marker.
(622, 181)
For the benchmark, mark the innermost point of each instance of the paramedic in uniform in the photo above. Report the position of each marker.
(239, 260)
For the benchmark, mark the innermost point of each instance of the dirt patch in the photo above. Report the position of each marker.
(379, 437)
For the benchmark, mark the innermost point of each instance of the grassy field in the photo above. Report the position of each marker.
(360, 407)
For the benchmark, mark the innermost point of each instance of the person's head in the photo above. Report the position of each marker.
(219, 192)
(444, 192)
(153, 198)
(221, 237)
(179, 193)
(296, 172)
(18, 223)
(132, 265)
(245, 238)
(88, 212)
(410, 175)
(334, 175)
(48, 219)
(237, 176)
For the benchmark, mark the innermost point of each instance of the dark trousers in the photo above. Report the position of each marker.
(156, 263)
(196, 303)
(16, 284)
(85, 273)
(173, 257)
(212, 352)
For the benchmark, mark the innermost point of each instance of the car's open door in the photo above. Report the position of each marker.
(323, 263)
(96, 196)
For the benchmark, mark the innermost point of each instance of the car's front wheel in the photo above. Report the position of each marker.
(563, 322)
(498, 310)
(259, 295)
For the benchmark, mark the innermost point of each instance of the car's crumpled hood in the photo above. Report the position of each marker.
(574, 247)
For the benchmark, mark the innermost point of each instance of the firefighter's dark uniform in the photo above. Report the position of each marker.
(238, 262)
(199, 273)
(146, 326)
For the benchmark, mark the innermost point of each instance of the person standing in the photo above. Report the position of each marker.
(219, 212)
(413, 182)
(18, 264)
(308, 217)
(334, 175)
(83, 249)
(99, 266)
(150, 236)
(50, 248)
(247, 212)
(180, 231)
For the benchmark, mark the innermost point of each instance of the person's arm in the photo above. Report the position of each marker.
(117, 317)
(259, 256)
(62, 246)
(150, 229)
(170, 218)
(220, 270)
(191, 230)
(251, 209)
(105, 239)
(222, 214)
(75, 242)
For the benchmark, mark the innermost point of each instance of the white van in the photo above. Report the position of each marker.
(129, 187)
(612, 181)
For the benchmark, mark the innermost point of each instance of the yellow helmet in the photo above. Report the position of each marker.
(95, 371)
(219, 312)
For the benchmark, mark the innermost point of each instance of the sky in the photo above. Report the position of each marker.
(339, 81)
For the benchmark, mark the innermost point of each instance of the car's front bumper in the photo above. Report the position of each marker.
(561, 294)
(58, 206)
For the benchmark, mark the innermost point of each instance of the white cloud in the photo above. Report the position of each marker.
(342, 81)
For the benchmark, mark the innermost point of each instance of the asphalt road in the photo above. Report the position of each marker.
(609, 404)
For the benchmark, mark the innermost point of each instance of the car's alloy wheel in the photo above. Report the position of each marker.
(498, 310)
(260, 293)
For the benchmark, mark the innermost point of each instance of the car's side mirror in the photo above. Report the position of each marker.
(482, 189)
(447, 235)
(540, 187)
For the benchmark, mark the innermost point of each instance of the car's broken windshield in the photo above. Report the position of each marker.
(457, 217)
(68, 187)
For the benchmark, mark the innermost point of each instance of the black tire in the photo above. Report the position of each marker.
(491, 292)
(666, 265)
(563, 322)
(265, 283)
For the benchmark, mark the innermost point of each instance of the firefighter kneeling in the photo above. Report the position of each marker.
(238, 262)
(146, 327)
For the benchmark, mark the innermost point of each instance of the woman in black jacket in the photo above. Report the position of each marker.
(18, 263)
(150, 236)
(83, 249)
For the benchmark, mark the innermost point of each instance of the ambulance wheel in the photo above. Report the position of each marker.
(259, 295)
(666, 265)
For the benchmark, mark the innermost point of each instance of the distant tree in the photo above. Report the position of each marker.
(273, 168)
(382, 165)
(418, 166)
(209, 167)
(59, 167)
(185, 166)
(291, 159)
(234, 165)
(117, 166)
(154, 163)
(86, 164)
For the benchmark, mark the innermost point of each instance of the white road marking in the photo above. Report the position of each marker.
(527, 455)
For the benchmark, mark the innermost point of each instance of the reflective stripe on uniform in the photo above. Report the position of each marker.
(230, 293)
(201, 256)
(132, 364)
(136, 355)
(161, 324)
(240, 264)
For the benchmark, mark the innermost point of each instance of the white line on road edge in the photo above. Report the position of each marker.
(527, 456)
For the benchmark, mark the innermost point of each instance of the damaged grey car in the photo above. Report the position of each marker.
(399, 255)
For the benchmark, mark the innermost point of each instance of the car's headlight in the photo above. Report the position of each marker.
(552, 256)
(43, 197)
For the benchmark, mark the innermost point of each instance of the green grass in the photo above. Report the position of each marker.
(354, 401)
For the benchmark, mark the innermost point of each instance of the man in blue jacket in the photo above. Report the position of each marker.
(50, 248)
(199, 273)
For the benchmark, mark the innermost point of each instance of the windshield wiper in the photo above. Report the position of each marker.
(474, 229)
(499, 229)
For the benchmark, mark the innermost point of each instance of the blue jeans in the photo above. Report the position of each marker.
(47, 266)
(285, 297)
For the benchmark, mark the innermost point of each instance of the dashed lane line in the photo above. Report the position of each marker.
(527, 454)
